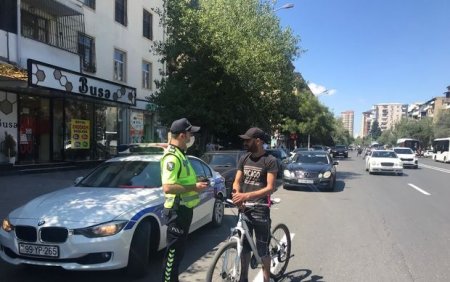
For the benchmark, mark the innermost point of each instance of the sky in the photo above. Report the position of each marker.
(358, 53)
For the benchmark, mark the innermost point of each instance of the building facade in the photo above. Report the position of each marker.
(348, 118)
(74, 77)
(366, 122)
(387, 115)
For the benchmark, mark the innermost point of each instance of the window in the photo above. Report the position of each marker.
(148, 25)
(35, 27)
(86, 49)
(119, 65)
(89, 3)
(146, 75)
(121, 11)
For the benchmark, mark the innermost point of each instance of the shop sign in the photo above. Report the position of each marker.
(56, 78)
(79, 130)
(137, 127)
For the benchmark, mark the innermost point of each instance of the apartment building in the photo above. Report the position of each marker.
(75, 74)
(366, 122)
(430, 108)
(348, 118)
(389, 114)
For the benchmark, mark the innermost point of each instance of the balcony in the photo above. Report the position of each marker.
(57, 23)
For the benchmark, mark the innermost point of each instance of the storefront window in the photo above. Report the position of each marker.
(106, 131)
(34, 131)
(78, 129)
(58, 130)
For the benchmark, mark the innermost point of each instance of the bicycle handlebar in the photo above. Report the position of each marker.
(252, 204)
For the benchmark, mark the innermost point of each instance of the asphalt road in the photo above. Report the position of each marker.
(372, 228)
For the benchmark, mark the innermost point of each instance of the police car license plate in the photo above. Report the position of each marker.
(39, 250)
(306, 181)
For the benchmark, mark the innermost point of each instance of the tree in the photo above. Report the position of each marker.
(441, 128)
(341, 134)
(222, 77)
(375, 130)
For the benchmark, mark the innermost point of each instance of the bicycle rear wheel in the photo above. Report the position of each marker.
(226, 264)
(280, 250)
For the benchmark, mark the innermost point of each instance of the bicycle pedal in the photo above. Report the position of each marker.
(253, 262)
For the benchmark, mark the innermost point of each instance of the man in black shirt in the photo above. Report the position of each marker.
(254, 182)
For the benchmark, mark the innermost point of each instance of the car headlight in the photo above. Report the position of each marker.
(287, 173)
(6, 225)
(374, 163)
(327, 174)
(101, 230)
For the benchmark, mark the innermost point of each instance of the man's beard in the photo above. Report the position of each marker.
(251, 148)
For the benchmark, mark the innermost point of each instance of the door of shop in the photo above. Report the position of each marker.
(34, 129)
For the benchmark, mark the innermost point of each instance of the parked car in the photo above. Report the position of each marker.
(282, 158)
(225, 162)
(428, 153)
(339, 151)
(138, 148)
(384, 161)
(319, 148)
(407, 156)
(110, 219)
(315, 168)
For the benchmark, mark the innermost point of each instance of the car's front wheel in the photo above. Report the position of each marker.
(218, 212)
(138, 258)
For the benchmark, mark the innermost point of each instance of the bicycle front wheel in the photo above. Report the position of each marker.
(226, 264)
(280, 250)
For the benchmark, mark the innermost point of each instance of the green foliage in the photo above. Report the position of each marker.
(375, 130)
(340, 134)
(441, 128)
(228, 65)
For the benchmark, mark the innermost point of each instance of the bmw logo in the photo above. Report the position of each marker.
(41, 222)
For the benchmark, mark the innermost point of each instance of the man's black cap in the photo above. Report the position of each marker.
(254, 132)
(183, 125)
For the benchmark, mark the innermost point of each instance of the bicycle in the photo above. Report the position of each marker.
(226, 264)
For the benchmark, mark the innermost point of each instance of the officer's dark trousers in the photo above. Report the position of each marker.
(177, 230)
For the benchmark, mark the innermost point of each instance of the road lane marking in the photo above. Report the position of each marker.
(418, 189)
(260, 277)
(435, 168)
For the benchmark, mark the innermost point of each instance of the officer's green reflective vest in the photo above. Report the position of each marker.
(185, 175)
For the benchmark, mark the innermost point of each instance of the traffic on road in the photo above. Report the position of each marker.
(371, 227)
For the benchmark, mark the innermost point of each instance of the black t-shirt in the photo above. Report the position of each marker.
(255, 172)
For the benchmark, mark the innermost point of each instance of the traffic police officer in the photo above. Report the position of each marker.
(181, 194)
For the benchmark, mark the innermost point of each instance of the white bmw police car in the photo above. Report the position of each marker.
(110, 219)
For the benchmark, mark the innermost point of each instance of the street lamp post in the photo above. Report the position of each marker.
(285, 6)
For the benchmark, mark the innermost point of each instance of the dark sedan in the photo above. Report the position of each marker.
(225, 162)
(310, 168)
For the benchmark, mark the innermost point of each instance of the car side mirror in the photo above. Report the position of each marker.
(335, 162)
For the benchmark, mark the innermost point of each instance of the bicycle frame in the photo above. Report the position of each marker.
(243, 231)
(230, 253)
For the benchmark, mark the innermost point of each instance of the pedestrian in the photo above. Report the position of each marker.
(254, 182)
(359, 151)
(181, 190)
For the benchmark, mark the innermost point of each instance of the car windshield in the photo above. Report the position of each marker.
(220, 159)
(311, 159)
(383, 154)
(404, 151)
(125, 174)
(340, 147)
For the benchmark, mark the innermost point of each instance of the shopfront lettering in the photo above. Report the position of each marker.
(84, 88)
(6, 124)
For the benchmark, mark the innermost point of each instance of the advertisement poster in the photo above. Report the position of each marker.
(80, 130)
(137, 127)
